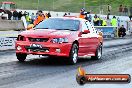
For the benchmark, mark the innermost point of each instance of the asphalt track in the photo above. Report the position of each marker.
(43, 72)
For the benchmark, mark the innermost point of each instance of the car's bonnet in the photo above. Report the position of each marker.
(47, 33)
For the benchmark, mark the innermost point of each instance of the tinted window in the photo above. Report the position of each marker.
(59, 24)
(6, 6)
(12, 6)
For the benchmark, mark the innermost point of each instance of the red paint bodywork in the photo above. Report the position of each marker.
(87, 45)
(7, 3)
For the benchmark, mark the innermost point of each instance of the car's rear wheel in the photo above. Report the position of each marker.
(21, 57)
(73, 54)
(98, 53)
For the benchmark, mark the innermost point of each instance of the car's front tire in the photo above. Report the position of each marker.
(98, 53)
(21, 57)
(73, 54)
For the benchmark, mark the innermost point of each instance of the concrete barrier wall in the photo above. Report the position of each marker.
(108, 31)
(11, 25)
(7, 43)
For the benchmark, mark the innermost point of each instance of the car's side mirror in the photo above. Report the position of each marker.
(85, 32)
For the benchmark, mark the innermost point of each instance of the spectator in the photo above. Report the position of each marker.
(25, 13)
(122, 31)
(109, 9)
(130, 13)
(46, 16)
(86, 16)
(114, 21)
(57, 14)
(120, 10)
(28, 19)
(108, 16)
(65, 14)
(19, 15)
(32, 18)
(130, 10)
(104, 22)
(100, 21)
(125, 11)
(96, 20)
(89, 17)
(130, 17)
(15, 15)
(49, 15)
(82, 13)
(108, 21)
(39, 18)
(9, 14)
(118, 21)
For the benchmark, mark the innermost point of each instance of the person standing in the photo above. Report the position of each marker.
(96, 20)
(118, 22)
(109, 9)
(39, 18)
(32, 18)
(49, 15)
(15, 15)
(130, 17)
(120, 10)
(9, 14)
(46, 15)
(82, 13)
(19, 15)
(64, 14)
(125, 11)
(90, 17)
(114, 21)
(28, 19)
(104, 22)
(130, 13)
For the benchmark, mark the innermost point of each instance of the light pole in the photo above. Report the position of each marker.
(101, 7)
(53, 5)
(84, 3)
(38, 5)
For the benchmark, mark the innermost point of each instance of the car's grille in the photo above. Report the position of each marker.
(38, 39)
(36, 49)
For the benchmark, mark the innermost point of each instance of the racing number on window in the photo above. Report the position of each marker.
(84, 26)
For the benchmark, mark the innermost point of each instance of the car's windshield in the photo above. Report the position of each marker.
(59, 24)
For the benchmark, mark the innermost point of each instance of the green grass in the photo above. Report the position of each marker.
(71, 5)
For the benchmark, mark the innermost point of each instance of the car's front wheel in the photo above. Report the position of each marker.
(73, 54)
(21, 57)
(98, 53)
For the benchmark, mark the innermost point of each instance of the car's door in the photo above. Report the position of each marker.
(93, 34)
(87, 42)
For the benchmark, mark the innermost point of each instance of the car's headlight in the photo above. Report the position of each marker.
(59, 40)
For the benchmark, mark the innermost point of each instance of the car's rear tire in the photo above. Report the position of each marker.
(98, 53)
(21, 57)
(73, 56)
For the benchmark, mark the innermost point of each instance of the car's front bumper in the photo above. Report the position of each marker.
(46, 49)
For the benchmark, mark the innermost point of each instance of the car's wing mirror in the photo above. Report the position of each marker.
(85, 32)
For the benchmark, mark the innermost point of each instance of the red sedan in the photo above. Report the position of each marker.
(64, 37)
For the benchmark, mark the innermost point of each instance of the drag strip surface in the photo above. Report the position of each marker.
(14, 74)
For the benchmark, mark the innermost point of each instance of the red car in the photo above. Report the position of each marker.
(63, 36)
